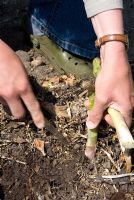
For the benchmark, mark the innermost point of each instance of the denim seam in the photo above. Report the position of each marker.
(80, 51)
(65, 44)
(61, 40)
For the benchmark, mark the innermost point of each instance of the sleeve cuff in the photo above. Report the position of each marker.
(95, 7)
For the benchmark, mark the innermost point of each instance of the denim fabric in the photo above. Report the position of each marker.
(65, 22)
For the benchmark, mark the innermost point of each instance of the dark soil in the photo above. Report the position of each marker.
(64, 173)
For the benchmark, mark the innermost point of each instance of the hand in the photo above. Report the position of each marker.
(15, 87)
(113, 86)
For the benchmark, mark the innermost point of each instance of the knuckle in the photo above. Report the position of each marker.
(9, 93)
(101, 100)
(129, 108)
(23, 86)
(94, 115)
(97, 117)
(19, 115)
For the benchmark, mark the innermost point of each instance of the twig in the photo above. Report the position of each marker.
(83, 93)
(118, 176)
(6, 141)
(111, 159)
(18, 161)
(82, 136)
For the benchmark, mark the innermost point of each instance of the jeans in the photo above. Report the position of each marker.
(66, 23)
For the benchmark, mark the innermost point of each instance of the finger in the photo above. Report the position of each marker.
(34, 108)
(125, 112)
(109, 120)
(16, 107)
(86, 103)
(127, 117)
(95, 116)
(132, 100)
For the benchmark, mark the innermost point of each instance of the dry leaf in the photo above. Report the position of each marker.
(56, 110)
(70, 81)
(128, 165)
(63, 77)
(55, 80)
(128, 162)
(46, 84)
(39, 144)
(36, 168)
(61, 111)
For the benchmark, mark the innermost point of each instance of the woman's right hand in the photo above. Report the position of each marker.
(113, 86)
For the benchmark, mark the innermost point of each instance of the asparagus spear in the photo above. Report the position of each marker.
(124, 135)
(92, 134)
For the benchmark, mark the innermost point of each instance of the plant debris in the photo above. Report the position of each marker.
(40, 145)
(64, 173)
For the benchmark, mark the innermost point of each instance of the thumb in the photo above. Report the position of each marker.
(96, 114)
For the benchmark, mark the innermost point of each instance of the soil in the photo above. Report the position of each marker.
(62, 172)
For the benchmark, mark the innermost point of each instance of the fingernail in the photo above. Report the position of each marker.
(90, 125)
(41, 125)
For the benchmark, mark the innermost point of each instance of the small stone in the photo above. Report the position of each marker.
(37, 62)
(77, 146)
(107, 165)
(86, 84)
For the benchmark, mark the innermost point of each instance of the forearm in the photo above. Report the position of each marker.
(108, 22)
(114, 85)
(106, 16)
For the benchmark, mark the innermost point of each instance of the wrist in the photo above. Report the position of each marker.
(113, 54)
(114, 47)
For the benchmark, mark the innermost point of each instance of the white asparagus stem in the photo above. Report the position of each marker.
(124, 135)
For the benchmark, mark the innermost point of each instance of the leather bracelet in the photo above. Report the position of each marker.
(112, 37)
